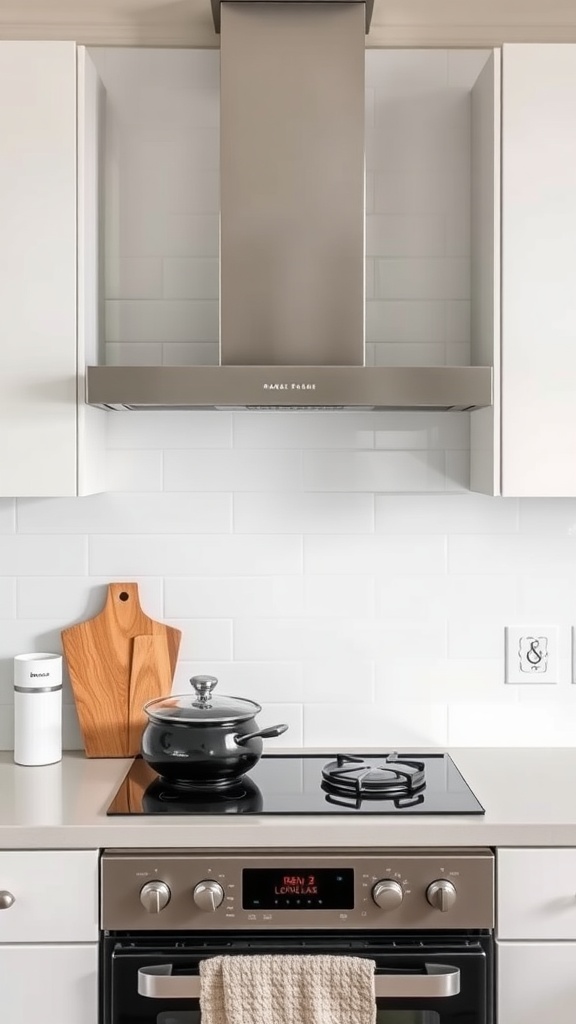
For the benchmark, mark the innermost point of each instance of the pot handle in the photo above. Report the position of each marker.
(273, 730)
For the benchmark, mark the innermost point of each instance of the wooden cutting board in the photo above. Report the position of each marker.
(99, 655)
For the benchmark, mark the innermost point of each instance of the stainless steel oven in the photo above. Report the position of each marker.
(424, 917)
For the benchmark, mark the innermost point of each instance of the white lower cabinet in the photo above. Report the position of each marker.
(49, 937)
(536, 982)
(49, 984)
(536, 936)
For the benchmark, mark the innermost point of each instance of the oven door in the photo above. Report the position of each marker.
(434, 979)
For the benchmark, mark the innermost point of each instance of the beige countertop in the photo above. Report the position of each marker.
(529, 796)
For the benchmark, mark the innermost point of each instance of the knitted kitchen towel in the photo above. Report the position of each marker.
(287, 990)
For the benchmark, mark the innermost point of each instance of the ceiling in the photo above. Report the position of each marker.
(189, 22)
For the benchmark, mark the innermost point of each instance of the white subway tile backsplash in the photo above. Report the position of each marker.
(480, 637)
(374, 471)
(7, 597)
(161, 320)
(180, 555)
(325, 637)
(305, 430)
(548, 515)
(512, 725)
(159, 430)
(7, 515)
(427, 430)
(546, 598)
(262, 681)
(413, 188)
(134, 278)
(391, 725)
(511, 554)
(325, 555)
(191, 354)
(303, 513)
(204, 638)
(232, 471)
(403, 234)
(191, 278)
(435, 597)
(458, 327)
(338, 681)
(431, 279)
(458, 354)
(72, 599)
(127, 513)
(132, 353)
(447, 514)
(23, 555)
(133, 470)
(457, 680)
(409, 355)
(457, 471)
(413, 322)
(208, 597)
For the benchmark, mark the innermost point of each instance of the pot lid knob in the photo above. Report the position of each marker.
(203, 686)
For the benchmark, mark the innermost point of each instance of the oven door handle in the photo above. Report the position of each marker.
(439, 981)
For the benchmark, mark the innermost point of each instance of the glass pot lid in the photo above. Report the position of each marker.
(202, 707)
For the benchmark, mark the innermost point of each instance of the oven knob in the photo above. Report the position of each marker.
(208, 895)
(387, 894)
(154, 896)
(441, 895)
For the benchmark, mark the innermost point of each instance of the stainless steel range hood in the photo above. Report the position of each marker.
(291, 232)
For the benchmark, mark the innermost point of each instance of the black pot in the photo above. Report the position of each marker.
(203, 740)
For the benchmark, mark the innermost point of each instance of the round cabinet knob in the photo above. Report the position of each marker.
(387, 894)
(154, 896)
(208, 895)
(441, 895)
(6, 899)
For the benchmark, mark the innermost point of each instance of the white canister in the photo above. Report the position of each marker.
(37, 708)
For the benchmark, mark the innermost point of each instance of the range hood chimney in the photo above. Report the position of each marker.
(291, 231)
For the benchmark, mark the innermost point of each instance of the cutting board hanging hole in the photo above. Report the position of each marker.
(124, 596)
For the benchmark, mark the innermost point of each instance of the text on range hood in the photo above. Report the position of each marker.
(292, 222)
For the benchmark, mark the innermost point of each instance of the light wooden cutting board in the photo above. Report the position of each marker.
(117, 661)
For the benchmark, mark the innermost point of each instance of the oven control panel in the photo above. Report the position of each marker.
(179, 890)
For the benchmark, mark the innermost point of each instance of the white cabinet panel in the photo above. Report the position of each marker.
(56, 896)
(536, 982)
(39, 449)
(49, 984)
(536, 894)
(538, 270)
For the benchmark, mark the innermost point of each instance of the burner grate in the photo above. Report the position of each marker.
(357, 778)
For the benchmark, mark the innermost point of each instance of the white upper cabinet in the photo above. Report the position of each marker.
(48, 185)
(538, 424)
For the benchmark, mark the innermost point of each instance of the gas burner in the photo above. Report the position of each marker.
(356, 779)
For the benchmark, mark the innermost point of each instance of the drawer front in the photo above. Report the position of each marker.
(536, 894)
(536, 982)
(55, 896)
(49, 984)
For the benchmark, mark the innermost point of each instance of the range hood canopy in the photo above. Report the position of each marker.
(292, 216)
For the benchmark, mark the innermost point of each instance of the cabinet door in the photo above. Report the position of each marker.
(55, 896)
(49, 984)
(536, 982)
(39, 118)
(539, 270)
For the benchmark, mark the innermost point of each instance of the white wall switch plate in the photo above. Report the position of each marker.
(531, 654)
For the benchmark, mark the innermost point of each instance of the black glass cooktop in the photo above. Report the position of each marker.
(385, 783)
